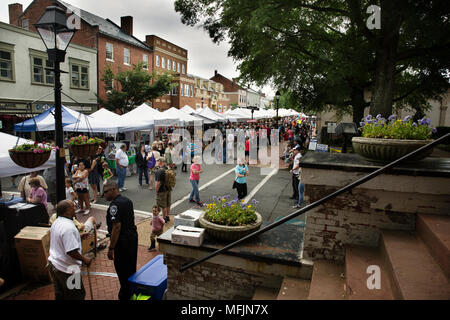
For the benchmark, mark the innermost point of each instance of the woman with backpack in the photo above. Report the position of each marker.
(141, 163)
(151, 164)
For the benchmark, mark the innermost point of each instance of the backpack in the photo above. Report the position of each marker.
(151, 162)
(170, 178)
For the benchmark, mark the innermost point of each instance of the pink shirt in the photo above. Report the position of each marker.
(39, 192)
(195, 176)
(157, 223)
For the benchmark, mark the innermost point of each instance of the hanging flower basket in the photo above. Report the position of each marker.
(83, 146)
(384, 140)
(29, 155)
(229, 220)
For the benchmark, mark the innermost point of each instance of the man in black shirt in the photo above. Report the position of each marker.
(163, 193)
(124, 239)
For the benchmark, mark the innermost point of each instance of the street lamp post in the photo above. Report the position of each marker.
(277, 96)
(52, 27)
(202, 103)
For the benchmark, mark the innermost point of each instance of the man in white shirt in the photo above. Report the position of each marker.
(65, 257)
(121, 166)
(295, 172)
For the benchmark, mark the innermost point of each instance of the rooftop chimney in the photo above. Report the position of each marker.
(126, 24)
(15, 10)
(215, 72)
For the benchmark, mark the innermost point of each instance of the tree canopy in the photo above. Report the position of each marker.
(135, 87)
(324, 55)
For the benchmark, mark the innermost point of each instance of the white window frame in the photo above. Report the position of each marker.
(125, 56)
(183, 69)
(80, 65)
(192, 90)
(163, 62)
(181, 91)
(145, 62)
(174, 65)
(45, 64)
(112, 52)
(168, 64)
(157, 61)
(178, 67)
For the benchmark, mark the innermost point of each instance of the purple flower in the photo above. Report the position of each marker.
(379, 116)
(406, 119)
(214, 198)
(428, 121)
(392, 117)
(368, 118)
(422, 121)
(434, 130)
(362, 124)
(414, 124)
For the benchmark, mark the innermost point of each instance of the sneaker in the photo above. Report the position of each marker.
(297, 206)
(124, 189)
(167, 219)
(190, 200)
(121, 190)
(86, 212)
(79, 211)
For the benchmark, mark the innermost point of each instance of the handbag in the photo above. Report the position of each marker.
(151, 162)
(234, 184)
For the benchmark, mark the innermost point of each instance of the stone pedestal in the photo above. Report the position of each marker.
(389, 201)
(262, 261)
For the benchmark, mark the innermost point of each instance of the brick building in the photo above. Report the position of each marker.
(116, 46)
(236, 94)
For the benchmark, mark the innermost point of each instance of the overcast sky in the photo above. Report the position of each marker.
(159, 17)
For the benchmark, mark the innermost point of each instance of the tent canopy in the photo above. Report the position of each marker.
(46, 120)
(7, 166)
(182, 116)
(93, 124)
(188, 109)
(211, 115)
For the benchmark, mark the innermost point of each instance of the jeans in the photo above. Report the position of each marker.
(301, 191)
(143, 170)
(295, 184)
(121, 173)
(194, 192)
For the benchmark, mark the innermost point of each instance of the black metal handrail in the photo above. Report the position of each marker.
(317, 203)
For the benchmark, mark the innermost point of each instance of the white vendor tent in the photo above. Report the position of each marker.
(211, 115)
(188, 109)
(144, 117)
(87, 123)
(7, 166)
(182, 117)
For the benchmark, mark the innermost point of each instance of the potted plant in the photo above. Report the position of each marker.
(83, 146)
(31, 155)
(230, 219)
(387, 140)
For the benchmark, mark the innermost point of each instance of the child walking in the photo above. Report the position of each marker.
(157, 227)
(107, 174)
(70, 194)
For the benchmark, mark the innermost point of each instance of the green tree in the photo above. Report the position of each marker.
(234, 106)
(323, 53)
(136, 86)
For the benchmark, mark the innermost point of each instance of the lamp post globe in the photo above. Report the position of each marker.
(53, 30)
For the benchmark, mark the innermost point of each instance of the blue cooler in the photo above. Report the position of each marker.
(151, 279)
(9, 202)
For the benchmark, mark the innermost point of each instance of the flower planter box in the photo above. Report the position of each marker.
(229, 233)
(388, 150)
(27, 159)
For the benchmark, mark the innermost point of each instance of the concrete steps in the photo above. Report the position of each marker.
(327, 282)
(414, 273)
(263, 293)
(357, 261)
(434, 230)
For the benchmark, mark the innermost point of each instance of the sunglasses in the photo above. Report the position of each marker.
(108, 190)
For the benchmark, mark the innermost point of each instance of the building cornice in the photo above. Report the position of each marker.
(158, 49)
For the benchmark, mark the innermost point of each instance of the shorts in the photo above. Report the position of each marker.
(88, 226)
(163, 199)
(82, 190)
(247, 153)
(156, 233)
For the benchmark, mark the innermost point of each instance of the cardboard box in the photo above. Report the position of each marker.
(88, 244)
(33, 246)
(190, 236)
(188, 218)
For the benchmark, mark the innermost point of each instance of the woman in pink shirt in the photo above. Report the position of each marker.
(37, 194)
(196, 169)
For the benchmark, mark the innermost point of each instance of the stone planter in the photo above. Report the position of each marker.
(83, 150)
(27, 159)
(388, 150)
(229, 233)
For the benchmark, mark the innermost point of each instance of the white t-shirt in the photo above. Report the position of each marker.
(69, 192)
(297, 162)
(64, 237)
(122, 157)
